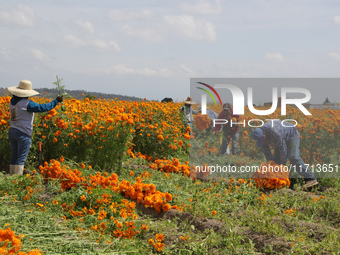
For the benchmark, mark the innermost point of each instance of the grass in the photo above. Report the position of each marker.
(247, 220)
(44, 231)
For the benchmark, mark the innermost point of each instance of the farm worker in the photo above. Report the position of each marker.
(286, 141)
(229, 132)
(21, 122)
(188, 111)
(211, 114)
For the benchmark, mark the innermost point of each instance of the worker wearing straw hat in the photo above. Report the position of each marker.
(21, 122)
(188, 111)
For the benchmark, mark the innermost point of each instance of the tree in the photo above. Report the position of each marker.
(91, 97)
(327, 101)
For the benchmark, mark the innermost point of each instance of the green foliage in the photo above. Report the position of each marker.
(61, 88)
(250, 221)
(221, 216)
(157, 135)
(91, 97)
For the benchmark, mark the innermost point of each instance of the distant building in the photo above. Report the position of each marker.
(332, 106)
(314, 106)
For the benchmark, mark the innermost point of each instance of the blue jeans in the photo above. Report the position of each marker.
(293, 154)
(20, 144)
(234, 143)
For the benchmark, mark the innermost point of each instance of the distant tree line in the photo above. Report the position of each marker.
(78, 94)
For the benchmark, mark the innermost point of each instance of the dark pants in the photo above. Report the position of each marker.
(234, 143)
(295, 159)
(20, 144)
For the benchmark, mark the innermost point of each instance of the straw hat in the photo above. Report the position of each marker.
(189, 101)
(23, 90)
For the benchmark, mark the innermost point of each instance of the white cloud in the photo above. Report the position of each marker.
(336, 20)
(165, 72)
(275, 57)
(171, 26)
(121, 69)
(85, 26)
(335, 56)
(5, 54)
(21, 16)
(39, 55)
(73, 41)
(203, 7)
(187, 69)
(152, 34)
(124, 70)
(106, 45)
(120, 15)
(188, 27)
(147, 72)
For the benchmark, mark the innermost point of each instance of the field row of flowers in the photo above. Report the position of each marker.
(85, 130)
(143, 193)
(271, 179)
(10, 243)
(103, 205)
(319, 132)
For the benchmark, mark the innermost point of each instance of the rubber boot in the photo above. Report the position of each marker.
(18, 169)
(11, 169)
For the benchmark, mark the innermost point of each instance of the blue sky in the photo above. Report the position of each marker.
(151, 49)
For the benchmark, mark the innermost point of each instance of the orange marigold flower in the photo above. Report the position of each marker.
(272, 176)
(184, 238)
(166, 207)
(159, 246)
(168, 196)
(101, 215)
(187, 136)
(144, 227)
(159, 237)
(214, 213)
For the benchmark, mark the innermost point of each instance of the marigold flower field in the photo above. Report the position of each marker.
(105, 161)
